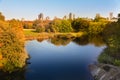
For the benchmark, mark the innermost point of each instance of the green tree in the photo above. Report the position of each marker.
(80, 25)
(99, 19)
(60, 26)
(96, 28)
(40, 29)
(41, 26)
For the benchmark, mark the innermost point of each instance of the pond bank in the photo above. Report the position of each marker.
(51, 35)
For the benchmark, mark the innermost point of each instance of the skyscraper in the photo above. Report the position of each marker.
(73, 16)
(40, 16)
(110, 16)
(70, 16)
(98, 15)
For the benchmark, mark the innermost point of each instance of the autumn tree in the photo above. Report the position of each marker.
(12, 49)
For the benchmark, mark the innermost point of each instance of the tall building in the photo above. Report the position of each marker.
(70, 16)
(40, 16)
(110, 16)
(97, 15)
(73, 16)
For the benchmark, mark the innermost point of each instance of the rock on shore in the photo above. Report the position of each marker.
(105, 72)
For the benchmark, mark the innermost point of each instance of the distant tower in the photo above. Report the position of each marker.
(70, 16)
(110, 16)
(97, 15)
(73, 16)
(40, 16)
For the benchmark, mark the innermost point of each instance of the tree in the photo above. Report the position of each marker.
(100, 19)
(40, 16)
(27, 25)
(12, 49)
(2, 17)
(40, 28)
(96, 28)
(80, 25)
(60, 26)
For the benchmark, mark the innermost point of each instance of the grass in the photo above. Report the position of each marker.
(31, 33)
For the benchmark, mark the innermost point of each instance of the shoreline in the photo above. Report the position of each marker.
(44, 35)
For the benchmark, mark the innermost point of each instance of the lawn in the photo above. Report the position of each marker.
(31, 33)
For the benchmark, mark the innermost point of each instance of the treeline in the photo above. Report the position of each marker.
(12, 52)
(90, 26)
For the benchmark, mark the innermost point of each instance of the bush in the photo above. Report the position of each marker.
(60, 26)
(12, 50)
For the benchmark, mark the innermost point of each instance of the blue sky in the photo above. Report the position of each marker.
(29, 9)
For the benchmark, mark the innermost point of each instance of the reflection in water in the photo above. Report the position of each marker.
(96, 40)
(82, 40)
(64, 60)
(13, 76)
(60, 40)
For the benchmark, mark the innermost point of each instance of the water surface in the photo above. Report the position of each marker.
(60, 62)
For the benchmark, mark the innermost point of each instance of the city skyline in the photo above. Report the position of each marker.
(30, 10)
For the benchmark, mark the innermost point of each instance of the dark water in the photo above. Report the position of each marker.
(60, 62)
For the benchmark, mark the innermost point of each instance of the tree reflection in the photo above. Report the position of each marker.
(59, 40)
(19, 75)
(85, 40)
(63, 40)
(40, 39)
(97, 40)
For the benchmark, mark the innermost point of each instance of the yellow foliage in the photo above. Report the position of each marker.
(1, 57)
(12, 53)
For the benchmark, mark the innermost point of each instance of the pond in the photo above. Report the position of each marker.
(58, 61)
